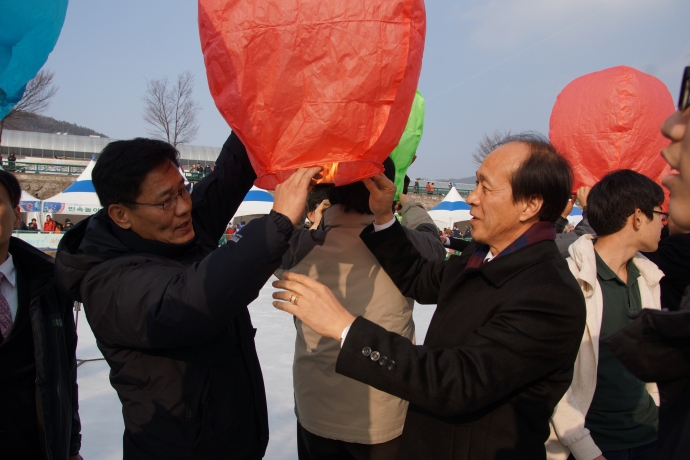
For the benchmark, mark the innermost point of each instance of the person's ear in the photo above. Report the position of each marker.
(637, 219)
(531, 208)
(120, 214)
(17, 217)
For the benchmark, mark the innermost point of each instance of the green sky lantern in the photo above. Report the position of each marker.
(403, 154)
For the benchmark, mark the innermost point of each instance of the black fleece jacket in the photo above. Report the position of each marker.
(173, 324)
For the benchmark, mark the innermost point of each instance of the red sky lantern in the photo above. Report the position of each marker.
(610, 120)
(312, 82)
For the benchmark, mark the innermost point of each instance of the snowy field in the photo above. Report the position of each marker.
(101, 411)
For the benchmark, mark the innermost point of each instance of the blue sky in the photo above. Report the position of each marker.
(488, 65)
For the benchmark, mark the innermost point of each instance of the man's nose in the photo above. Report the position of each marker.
(183, 206)
(472, 198)
(674, 126)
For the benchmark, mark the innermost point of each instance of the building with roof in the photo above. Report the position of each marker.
(42, 145)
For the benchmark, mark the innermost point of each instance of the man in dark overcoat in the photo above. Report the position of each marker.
(39, 404)
(501, 345)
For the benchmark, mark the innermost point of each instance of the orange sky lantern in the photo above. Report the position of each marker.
(610, 120)
(314, 83)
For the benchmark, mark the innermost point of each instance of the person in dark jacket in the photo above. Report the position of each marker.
(564, 240)
(168, 307)
(673, 258)
(655, 347)
(501, 345)
(39, 409)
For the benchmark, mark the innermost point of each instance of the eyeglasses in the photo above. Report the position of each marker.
(170, 202)
(662, 214)
(684, 99)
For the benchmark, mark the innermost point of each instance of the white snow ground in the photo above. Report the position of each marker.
(101, 411)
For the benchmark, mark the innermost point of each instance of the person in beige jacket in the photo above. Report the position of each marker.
(339, 417)
(599, 417)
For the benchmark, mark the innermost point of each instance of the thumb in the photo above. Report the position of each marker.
(371, 186)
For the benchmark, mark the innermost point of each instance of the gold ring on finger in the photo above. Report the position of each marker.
(293, 299)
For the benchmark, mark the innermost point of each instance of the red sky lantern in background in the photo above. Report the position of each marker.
(313, 82)
(610, 120)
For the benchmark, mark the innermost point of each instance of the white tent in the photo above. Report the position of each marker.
(575, 216)
(78, 199)
(257, 202)
(452, 209)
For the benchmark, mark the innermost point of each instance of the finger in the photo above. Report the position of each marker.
(371, 186)
(301, 280)
(382, 182)
(292, 286)
(296, 176)
(285, 306)
(309, 174)
(285, 296)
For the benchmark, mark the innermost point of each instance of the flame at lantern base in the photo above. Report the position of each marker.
(339, 173)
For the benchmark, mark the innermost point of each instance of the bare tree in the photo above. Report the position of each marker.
(488, 144)
(170, 110)
(35, 101)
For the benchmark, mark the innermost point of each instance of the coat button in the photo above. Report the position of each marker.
(392, 365)
(375, 355)
(366, 351)
(383, 361)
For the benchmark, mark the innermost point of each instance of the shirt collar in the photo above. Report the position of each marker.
(605, 273)
(7, 269)
(538, 232)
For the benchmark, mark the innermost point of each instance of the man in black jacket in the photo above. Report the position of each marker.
(168, 307)
(39, 416)
(673, 258)
(501, 345)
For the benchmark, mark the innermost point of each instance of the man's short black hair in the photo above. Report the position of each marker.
(315, 198)
(614, 198)
(355, 196)
(12, 186)
(545, 173)
(123, 165)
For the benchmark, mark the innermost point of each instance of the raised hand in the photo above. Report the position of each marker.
(381, 195)
(291, 196)
(582, 194)
(313, 303)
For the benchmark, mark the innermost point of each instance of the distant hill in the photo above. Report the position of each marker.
(49, 125)
(464, 180)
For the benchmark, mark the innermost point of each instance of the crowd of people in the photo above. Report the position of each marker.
(199, 170)
(547, 342)
(49, 225)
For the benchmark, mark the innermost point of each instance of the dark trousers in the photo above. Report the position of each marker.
(313, 447)
(644, 452)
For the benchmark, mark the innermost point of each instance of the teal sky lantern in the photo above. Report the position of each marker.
(29, 30)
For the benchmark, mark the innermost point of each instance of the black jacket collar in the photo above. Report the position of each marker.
(502, 269)
(139, 245)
